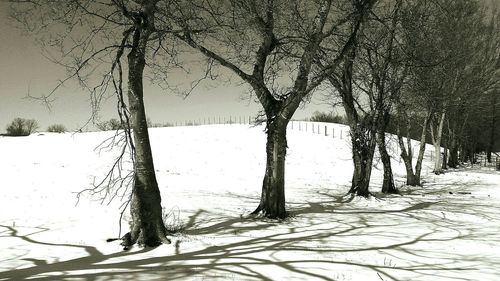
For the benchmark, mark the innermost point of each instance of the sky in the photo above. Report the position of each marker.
(24, 70)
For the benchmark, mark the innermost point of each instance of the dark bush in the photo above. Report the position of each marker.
(22, 127)
(113, 124)
(56, 128)
(327, 117)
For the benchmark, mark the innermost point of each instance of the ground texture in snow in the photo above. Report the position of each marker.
(210, 178)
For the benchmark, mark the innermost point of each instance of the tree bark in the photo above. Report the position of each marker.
(363, 147)
(445, 155)
(388, 182)
(436, 140)
(453, 159)
(421, 151)
(406, 154)
(413, 177)
(272, 202)
(407, 157)
(491, 143)
(147, 227)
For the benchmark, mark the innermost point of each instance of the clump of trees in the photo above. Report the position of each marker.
(22, 127)
(432, 64)
(56, 128)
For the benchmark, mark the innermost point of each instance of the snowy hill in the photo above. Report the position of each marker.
(210, 178)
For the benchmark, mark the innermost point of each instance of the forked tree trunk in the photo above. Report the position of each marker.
(147, 227)
(436, 140)
(407, 156)
(421, 151)
(363, 147)
(388, 182)
(272, 201)
(413, 177)
(406, 153)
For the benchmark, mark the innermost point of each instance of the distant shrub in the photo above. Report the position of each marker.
(160, 125)
(56, 128)
(327, 117)
(113, 124)
(22, 127)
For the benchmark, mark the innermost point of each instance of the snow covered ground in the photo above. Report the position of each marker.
(210, 178)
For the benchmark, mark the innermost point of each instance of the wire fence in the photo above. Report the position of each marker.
(332, 130)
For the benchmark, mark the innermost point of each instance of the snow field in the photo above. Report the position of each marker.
(210, 178)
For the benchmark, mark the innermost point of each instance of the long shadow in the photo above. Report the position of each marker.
(241, 259)
(247, 244)
(94, 256)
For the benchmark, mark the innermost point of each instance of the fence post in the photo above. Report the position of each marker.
(299, 127)
(319, 131)
(313, 127)
(340, 134)
(306, 127)
(326, 132)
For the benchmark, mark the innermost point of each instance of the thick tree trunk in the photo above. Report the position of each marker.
(453, 159)
(413, 177)
(363, 147)
(406, 154)
(445, 155)
(272, 202)
(147, 227)
(388, 182)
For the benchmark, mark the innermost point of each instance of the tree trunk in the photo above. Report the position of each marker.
(421, 151)
(272, 201)
(147, 227)
(436, 140)
(491, 143)
(407, 160)
(406, 154)
(445, 155)
(363, 147)
(388, 182)
(453, 159)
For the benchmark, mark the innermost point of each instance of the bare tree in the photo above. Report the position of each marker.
(386, 65)
(368, 83)
(103, 45)
(454, 51)
(271, 45)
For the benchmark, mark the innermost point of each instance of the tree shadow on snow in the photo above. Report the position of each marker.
(321, 239)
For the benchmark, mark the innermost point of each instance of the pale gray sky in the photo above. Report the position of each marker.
(23, 70)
